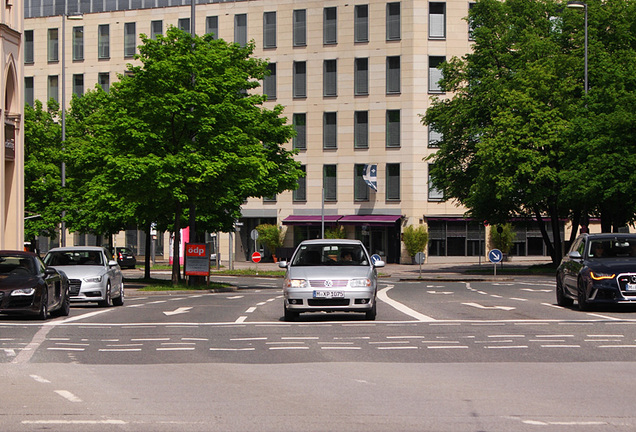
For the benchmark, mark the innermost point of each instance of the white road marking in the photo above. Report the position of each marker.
(340, 348)
(178, 311)
(447, 346)
(68, 396)
(39, 379)
(477, 305)
(9, 351)
(536, 290)
(250, 310)
(74, 422)
(382, 295)
(119, 349)
(232, 349)
(289, 348)
(235, 297)
(240, 319)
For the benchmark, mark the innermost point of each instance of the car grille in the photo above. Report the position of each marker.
(328, 283)
(74, 286)
(328, 302)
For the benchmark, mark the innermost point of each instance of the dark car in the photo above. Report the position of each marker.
(27, 286)
(599, 268)
(125, 257)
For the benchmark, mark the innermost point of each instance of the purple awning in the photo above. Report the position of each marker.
(310, 219)
(369, 219)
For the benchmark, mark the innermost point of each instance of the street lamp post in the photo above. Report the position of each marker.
(575, 4)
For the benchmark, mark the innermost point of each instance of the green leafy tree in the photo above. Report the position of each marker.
(271, 236)
(503, 240)
(337, 232)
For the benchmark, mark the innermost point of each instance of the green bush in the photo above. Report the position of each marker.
(503, 240)
(335, 233)
(271, 236)
(415, 239)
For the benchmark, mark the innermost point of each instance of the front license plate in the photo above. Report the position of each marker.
(328, 294)
(630, 287)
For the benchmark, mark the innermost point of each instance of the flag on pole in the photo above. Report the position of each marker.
(370, 176)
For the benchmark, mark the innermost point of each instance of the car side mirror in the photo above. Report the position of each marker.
(112, 263)
(378, 264)
(283, 264)
(49, 271)
(575, 255)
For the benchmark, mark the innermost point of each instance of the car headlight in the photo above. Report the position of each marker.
(93, 279)
(360, 283)
(23, 292)
(296, 283)
(601, 276)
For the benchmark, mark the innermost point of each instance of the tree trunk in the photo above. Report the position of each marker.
(176, 275)
(148, 252)
(546, 237)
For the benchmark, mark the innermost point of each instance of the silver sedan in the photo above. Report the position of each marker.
(331, 276)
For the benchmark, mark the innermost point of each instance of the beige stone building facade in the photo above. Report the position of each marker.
(354, 78)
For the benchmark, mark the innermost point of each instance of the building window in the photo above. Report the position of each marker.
(28, 91)
(330, 78)
(52, 88)
(329, 182)
(212, 26)
(271, 199)
(300, 79)
(103, 41)
(471, 29)
(361, 129)
(393, 128)
(393, 21)
(130, 39)
(300, 126)
(393, 75)
(434, 194)
(240, 29)
(330, 131)
(28, 46)
(361, 23)
(103, 79)
(360, 187)
(434, 137)
(300, 193)
(435, 73)
(300, 27)
(392, 182)
(156, 28)
(330, 25)
(269, 82)
(78, 84)
(53, 45)
(78, 43)
(437, 20)
(184, 24)
(361, 76)
(269, 30)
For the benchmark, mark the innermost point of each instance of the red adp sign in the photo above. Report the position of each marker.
(197, 259)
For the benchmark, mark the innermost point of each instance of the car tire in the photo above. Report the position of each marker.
(119, 301)
(44, 306)
(291, 315)
(561, 298)
(584, 305)
(371, 314)
(108, 301)
(65, 307)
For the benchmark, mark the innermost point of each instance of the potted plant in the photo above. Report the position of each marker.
(271, 236)
(502, 237)
(415, 239)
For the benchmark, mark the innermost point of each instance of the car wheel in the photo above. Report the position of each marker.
(107, 302)
(65, 307)
(44, 306)
(584, 305)
(119, 301)
(291, 315)
(562, 299)
(370, 315)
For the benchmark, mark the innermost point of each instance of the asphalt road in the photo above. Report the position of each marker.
(441, 356)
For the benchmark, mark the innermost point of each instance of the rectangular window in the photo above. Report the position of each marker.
(300, 193)
(269, 30)
(184, 24)
(435, 73)
(393, 75)
(330, 25)
(78, 43)
(269, 199)
(103, 79)
(393, 128)
(434, 137)
(156, 28)
(78, 84)
(437, 20)
(28, 91)
(53, 45)
(240, 29)
(52, 88)
(300, 27)
(392, 182)
(360, 187)
(361, 129)
(434, 194)
(269, 82)
(470, 24)
(329, 182)
(28, 46)
(212, 26)
(393, 21)
(130, 39)
(300, 79)
(300, 126)
(361, 76)
(330, 78)
(330, 131)
(361, 23)
(103, 41)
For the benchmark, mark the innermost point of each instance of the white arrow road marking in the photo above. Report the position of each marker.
(477, 305)
(382, 295)
(177, 311)
(439, 292)
(235, 297)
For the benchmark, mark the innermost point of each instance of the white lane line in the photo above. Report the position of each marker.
(506, 346)
(232, 349)
(74, 422)
(250, 310)
(447, 347)
(289, 348)
(119, 349)
(560, 346)
(176, 349)
(68, 396)
(340, 348)
(398, 347)
(86, 315)
(65, 349)
(241, 319)
(39, 379)
(248, 339)
(383, 295)
(9, 352)
(150, 340)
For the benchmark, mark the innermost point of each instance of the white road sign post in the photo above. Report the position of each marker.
(495, 256)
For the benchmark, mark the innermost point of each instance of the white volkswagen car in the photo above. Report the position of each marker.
(93, 273)
(332, 276)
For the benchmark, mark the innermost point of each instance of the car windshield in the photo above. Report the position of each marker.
(612, 248)
(329, 255)
(16, 265)
(69, 258)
